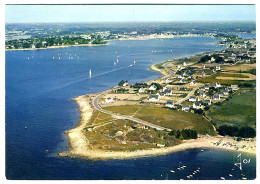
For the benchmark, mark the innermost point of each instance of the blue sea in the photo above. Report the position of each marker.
(39, 88)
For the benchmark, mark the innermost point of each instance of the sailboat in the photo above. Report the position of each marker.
(134, 62)
(117, 60)
(114, 63)
(90, 73)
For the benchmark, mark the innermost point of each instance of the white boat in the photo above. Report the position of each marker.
(59, 57)
(117, 60)
(90, 73)
(28, 58)
(114, 63)
(230, 175)
(244, 178)
(53, 57)
(131, 65)
(134, 62)
(222, 178)
(172, 171)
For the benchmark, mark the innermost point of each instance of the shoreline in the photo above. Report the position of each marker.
(119, 39)
(79, 143)
(60, 46)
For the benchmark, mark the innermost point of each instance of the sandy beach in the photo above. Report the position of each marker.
(79, 143)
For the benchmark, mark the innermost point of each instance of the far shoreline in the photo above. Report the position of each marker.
(60, 46)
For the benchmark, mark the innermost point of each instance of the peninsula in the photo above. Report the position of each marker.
(190, 106)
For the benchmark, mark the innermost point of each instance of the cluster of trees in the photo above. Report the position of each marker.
(121, 90)
(245, 132)
(205, 58)
(184, 134)
(121, 83)
(45, 42)
(139, 85)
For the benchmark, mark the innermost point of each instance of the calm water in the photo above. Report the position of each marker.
(246, 35)
(38, 96)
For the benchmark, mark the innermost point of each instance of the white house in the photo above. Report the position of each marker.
(212, 59)
(169, 104)
(167, 81)
(154, 97)
(109, 100)
(185, 108)
(215, 85)
(181, 76)
(161, 94)
(152, 88)
(217, 68)
(208, 102)
(234, 87)
(215, 97)
(193, 83)
(167, 91)
(125, 84)
(193, 99)
(197, 105)
(202, 73)
(141, 90)
(182, 81)
(184, 64)
(203, 95)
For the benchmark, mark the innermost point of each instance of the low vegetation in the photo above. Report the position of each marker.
(172, 119)
(239, 111)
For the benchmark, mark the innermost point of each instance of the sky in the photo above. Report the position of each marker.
(108, 13)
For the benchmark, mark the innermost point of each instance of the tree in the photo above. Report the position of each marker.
(121, 82)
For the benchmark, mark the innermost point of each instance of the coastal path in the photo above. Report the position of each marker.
(119, 116)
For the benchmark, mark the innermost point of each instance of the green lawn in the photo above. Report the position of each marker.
(167, 118)
(240, 110)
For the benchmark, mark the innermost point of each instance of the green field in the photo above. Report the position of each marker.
(212, 79)
(104, 134)
(167, 118)
(239, 111)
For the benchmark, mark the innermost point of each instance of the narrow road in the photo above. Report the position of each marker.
(187, 97)
(95, 104)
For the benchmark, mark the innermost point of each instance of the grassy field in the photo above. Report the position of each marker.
(212, 79)
(240, 67)
(167, 118)
(240, 110)
(108, 133)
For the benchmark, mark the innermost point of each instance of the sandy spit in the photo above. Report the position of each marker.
(80, 144)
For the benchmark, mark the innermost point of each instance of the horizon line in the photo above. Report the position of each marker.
(177, 21)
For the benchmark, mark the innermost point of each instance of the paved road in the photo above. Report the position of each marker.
(95, 104)
(165, 65)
